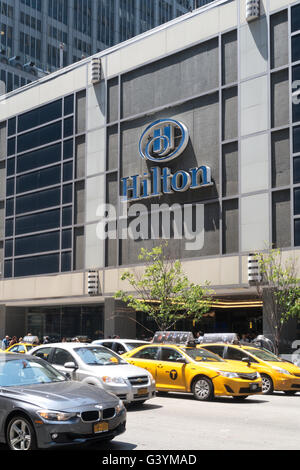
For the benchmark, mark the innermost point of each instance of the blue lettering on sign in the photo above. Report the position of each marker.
(161, 142)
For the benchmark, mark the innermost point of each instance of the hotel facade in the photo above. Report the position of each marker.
(190, 132)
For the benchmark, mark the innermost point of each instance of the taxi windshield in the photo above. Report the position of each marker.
(201, 355)
(263, 355)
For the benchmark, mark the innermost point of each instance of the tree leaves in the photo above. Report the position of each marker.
(163, 290)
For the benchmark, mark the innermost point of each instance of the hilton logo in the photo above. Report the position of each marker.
(161, 142)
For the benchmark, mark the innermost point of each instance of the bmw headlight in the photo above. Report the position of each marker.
(229, 375)
(113, 380)
(282, 371)
(120, 407)
(49, 415)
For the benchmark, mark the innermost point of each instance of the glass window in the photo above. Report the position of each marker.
(296, 48)
(67, 216)
(66, 262)
(60, 357)
(10, 187)
(297, 232)
(202, 355)
(147, 353)
(38, 222)
(39, 179)
(8, 268)
(38, 201)
(119, 348)
(296, 170)
(11, 146)
(40, 116)
(68, 171)
(9, 228)
(171, 355)
(264, 355)
(36, 265)
(11, 126)
(39, 158)
(8, 248)
(39, 137)
(11, 166)
(296, 139)
(295, 18)
(9, 207)
(66, 239)
(297, 201)
(97, 356)
(219, 350)
(18, 372)
(235, 354)
(43, 353)
(37, 243)
(68, 127)
(67, 194)
(69, 105)
(68, 149)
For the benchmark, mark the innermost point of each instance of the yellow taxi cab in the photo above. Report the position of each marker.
(184, 368)
(276, 374)
(22, 348)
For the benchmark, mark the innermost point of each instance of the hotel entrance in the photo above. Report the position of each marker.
(67, 322)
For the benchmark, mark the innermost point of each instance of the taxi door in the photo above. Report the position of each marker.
(171, 370)
(147, 358)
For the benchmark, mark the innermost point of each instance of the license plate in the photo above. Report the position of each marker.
(253, 386)
(100, 427)
(142, 391)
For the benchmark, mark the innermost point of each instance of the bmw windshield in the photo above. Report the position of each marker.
(201, 355)
(16, 372)
(97, 356)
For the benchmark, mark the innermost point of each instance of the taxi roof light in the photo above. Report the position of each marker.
(174, 337)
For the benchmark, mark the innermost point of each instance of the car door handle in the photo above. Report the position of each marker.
(160, 366)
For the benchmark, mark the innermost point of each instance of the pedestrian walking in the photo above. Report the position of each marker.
(5, 342)
(13, 341)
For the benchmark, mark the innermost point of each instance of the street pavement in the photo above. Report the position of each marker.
(178, 422)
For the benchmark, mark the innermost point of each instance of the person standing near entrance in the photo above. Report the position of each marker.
(5, 343)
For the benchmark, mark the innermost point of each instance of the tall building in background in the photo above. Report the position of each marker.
(40, 36)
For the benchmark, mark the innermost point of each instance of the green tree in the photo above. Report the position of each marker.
(279, 287)
(163, 290)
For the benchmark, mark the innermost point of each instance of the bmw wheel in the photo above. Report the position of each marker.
(20, 434)
(267, 384)
(202, 389)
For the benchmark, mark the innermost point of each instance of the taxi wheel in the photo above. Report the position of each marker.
(267, 384)
(20, 434)
(203, 389)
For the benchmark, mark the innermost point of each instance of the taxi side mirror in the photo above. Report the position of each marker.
(181, 360)
(248, 360)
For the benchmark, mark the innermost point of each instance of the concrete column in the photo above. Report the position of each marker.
(118, 320)
(12, 321)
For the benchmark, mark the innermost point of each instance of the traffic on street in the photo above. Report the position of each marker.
(84, 396)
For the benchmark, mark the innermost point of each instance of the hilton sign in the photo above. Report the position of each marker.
(163, 141)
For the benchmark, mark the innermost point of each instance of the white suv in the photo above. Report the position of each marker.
(99, 366)
(120, 346)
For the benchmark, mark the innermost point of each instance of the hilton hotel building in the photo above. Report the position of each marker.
(219, 83)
